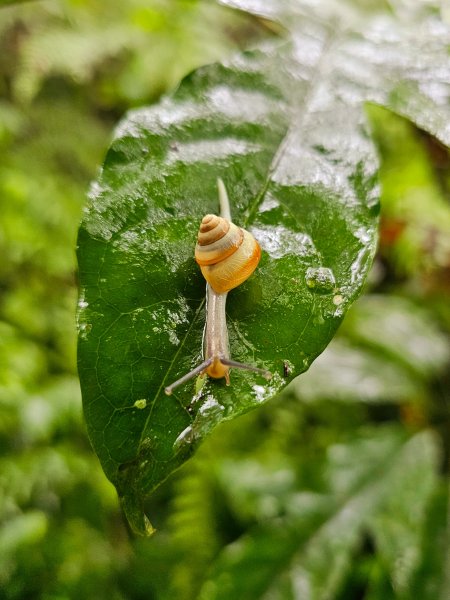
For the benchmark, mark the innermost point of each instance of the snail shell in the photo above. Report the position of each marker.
(226, 253)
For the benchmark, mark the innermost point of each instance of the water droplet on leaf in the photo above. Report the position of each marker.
(320, 280)
(186, 437)
(84, 330)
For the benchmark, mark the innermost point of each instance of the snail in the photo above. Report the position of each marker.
(227, 256)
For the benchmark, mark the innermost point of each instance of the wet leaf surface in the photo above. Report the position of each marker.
(284, 127)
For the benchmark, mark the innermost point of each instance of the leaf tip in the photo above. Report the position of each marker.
(136, 517)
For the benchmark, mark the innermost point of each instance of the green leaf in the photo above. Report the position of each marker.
(309, 554)
(400, 330)
(6, 2)
(152, 44)
(352, 374)
(21, 531)
(414, 203)
(375, 53)
(431, 579)
(284, 127)
(400, 522)
(385, 351)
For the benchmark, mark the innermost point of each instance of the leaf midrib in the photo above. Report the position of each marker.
(297, 107)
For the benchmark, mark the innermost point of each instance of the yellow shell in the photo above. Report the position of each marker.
(226, 253)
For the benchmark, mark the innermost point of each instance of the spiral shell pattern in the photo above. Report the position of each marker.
(226, 253)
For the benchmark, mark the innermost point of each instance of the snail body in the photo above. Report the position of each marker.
(227, 256)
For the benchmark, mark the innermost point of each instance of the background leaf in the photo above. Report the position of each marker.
(314, 547)
(375, 53)
(386, 350)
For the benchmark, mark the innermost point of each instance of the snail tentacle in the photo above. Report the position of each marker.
(201, 368)
(238, 365)
(224, 202)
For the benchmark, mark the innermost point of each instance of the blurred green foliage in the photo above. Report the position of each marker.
(341, 482)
